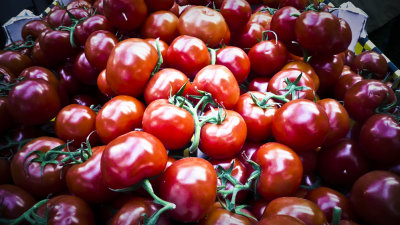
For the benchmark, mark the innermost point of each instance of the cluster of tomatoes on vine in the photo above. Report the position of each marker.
(196, 112)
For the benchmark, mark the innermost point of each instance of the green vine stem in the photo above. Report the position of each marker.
(30, 215)
(160, 58)
(29, 43)
(336, 214)
(71, 29)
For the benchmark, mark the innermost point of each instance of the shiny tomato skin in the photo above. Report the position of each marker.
(236, 13)
(161, 24)
(283, 23)
(264, 19)
(84, 71)
(119, 116)
(15, 201)
(98, 47)
(259, 84)
(328, 69)
(371, 61)
(125, 14)
(15, 61)
(344, 36)
(132, 157)
(57, 44)
(280, 220)
(40, 73)
(129, 66)
(90, 25)
(281, 170)
(236, 60)
(249, 36)
(345, 82)
(196, 180)
(103, 86)
(34, 28)
(163, 47)
(300, 124)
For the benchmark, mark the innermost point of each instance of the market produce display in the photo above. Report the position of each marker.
(196, 112)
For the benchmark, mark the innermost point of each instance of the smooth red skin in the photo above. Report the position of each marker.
(380, 139)
(344, 36)
(281, 170)
(267, 51)
(119, 116)
(58, 17)
(188, 54)
(131, 212)
(103, 86)
(165, 82)
(257, 207)
(39, 73)
(306, 68)
(34, 28)
(221, 216)
(236, 60)
(280, 220)
(163, 119)
(247, 151)
(80, 4)
(300, 124)
(30, 179)
(56, 44)
(129, 66)
(309, 161)
(98, 5)
(259, 84)
(85, 180)
(98, 48)
(6, 119)
(135, 13)
(364, 97)
(302, 209)
(132, 157)
(90, 25)
(39, 57)
(327, 198)
(236, 13)
(5, 176)
(264, 19)
(15, 61)
(36, 98)
(162, 24)
(222, 141)
(84, 71)
(156, 5)
(349, 161)
(317, 32)
(373, 62)
(75, 122)
(277, 84)
(349, 57)
(249, 36)
(344, 83)
(68, 209)
(196, 180)
(328, 69)
(68, 81)
(15, 201)
(239, 172)
(204, 23)
(383, 189)
(220, 82)
(258, 120)
(163, 47)
(339, 120)
(282, 23)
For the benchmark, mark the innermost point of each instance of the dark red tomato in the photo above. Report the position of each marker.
(372, 62)
(328, 69)
(5, 176)
(67, 210)
(58, 17)
(219, 82)
(264, 19)
(14, 201)
(339, 120)
(86, 180)
(40, 73)
(129, 66)
(163, 48)
(204, 23)
(301, 124)
(309, 161)
(34, 28)
(68, 82)
(277, 84)
(220, 216)
(132, 212)
(196, 180)
(362, 99)
(98, 5)
(349, 57)
(84, 71)
(247, 151)
(29, 177)
(346, 80)
(249, 36)
(156, 5)
(98, 48)
(6, 119)
(103, 85)
(349, 161)
(380, 139)
(15, 61)
(327, 199)
(383, 189)
(236, 13)
(306, 68)
(236, 60)
(188, 54)
(280, 220)
(161, 24)
(222, 141)
(164, 83)
(273, 52)
(163, 119)
(257, 207)
(125, 14)
(258, 120)
(36, 98)
(6, 75)
(75, 122)
(119, 116)
(40, 58)
(132, 157)
(281, 170)
(302, 209)
(259, 84)
(283, 23)
(84, 4)
(90, 25)
(56, 43)
(344, 36)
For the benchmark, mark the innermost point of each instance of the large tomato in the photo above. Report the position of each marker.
(236, 60)
(236, 13)
(98, 47)
(161, 24)
(125, 14)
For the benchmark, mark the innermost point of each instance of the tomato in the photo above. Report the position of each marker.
(103, 85)
(236, 13)
(68, 81)
(346, 80)
(204, 23)
(34, 28)
(249, 36)
(15, 61)
(84, 4)
(40, 73)
(119, 116)
(247, 151)
(280, 220)
(39, 57)
(383, 189)
(164, 83)
(257, 207)
(309, 161)
(349, 57)
(219, 215)
(132, 157)
(161, 24)
(259, 84)
(56, 44)
(236, 60)
(344, 37)
(129, 66)
(264, 19)
(15, 201)
(84, 71)
(125, 14)
(372, 62)
(196, 180)
(163, 47)
(281, 170)
(90, 25)
(306, 68)
(328, 69)
(300, 124)
(163, 119)
(98, 5)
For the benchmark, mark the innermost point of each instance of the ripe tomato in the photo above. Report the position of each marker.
(84, 71)
(15, 201)
(372, 62)
(306, 68)
(219, 215)
(328, 69)
(98, 47)
(236, 13)
(125, 14)
(103, 86)
(161, 24)
(283, 23)
(346, 80)
(280, 220)
(90, 25)
(34, 28)
(15, 61)
(40, 73)
(249, 36)
(236, 60)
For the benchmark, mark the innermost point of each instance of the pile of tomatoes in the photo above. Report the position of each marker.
(196, 112)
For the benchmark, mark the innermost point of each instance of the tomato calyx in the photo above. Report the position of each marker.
(30, 215)
(160, 58)
(272, 11)
(336, 214)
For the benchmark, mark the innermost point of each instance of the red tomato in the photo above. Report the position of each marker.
(372, 62)
(34, 28)
(280, 220)
(15, 61)
(98, 47)
(40, 73)
(236, 60)
(90, 25)
(15, 201)
(125, 14)
(84, 71)
(249, 36)
(161, 24)
(236, 13)
(103, 86)
(328, 69)
(219, 215)
(259, 84)
(346, 80)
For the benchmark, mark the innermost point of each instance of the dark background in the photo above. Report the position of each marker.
(383, 25)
